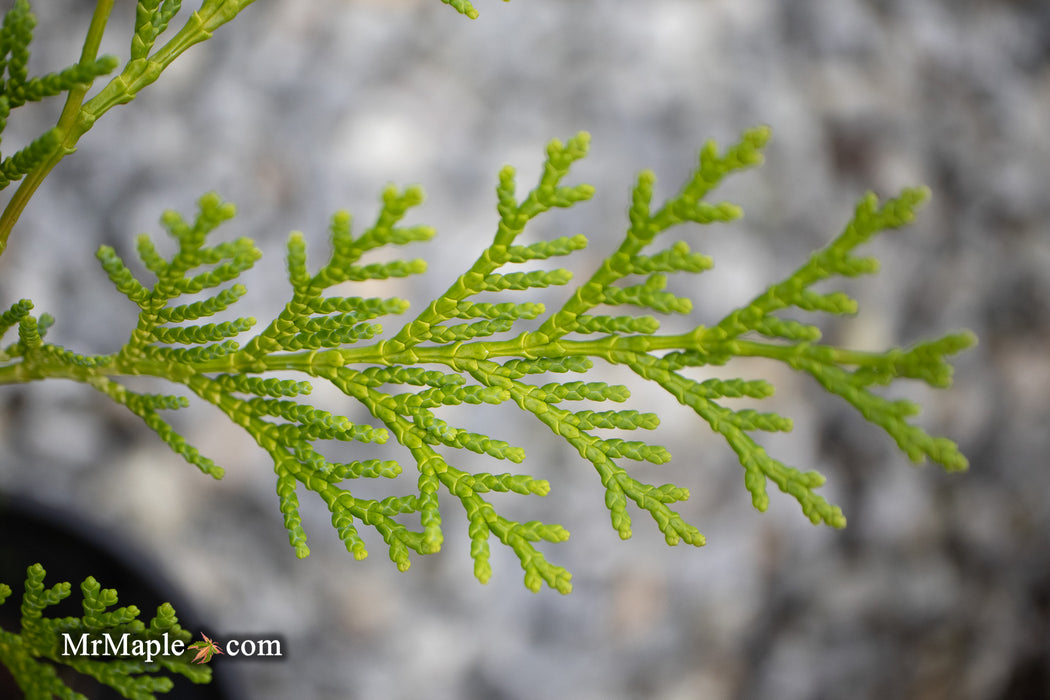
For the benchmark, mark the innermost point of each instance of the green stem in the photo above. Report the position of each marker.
(608, 348)
(67, 125)
(142, 72)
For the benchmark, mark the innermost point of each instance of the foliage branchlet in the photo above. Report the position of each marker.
(17, 88)
(35, 653)
(462, 349)
(145, 65)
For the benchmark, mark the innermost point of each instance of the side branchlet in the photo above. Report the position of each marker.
(17, 88)
(42, 645)
(462, 349)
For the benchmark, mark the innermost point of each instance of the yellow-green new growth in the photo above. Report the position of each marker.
(464, 7)
(461, 350)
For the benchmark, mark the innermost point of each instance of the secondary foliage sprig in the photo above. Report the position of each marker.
(17, 88)
(145, 65)
(33, 654)
(462, 349)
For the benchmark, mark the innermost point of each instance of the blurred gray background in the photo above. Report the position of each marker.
(940, 585)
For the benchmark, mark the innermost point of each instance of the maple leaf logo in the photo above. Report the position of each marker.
(205, 649)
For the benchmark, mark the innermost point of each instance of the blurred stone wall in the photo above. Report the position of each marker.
(939, 587)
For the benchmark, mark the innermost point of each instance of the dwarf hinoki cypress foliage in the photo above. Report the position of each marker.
(17, 88)
(46, 643)
(468, 346)
(459, 350)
